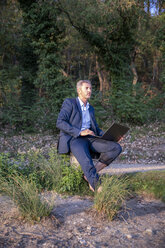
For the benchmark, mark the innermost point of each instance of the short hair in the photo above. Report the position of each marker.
(80, 83)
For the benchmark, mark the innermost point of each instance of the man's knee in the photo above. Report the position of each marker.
(110, 155)
(116, 151)
(115, 147)
(118, 148)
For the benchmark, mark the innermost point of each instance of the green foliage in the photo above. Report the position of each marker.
(24, 193)
(101, 112)
(112, 197)
(10, 40)
(41, 41)
(149, 183)
(46, 33)
(20, 180)
(108, 28)
(51, 172)
(42, 115)
(41, 87)
(24, 177)
(72, 180)
(10, 26)
(159, 43)
(133, 105)
(44, 30)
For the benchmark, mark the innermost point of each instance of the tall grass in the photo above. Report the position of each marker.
(56, 174)
(50, 170)
(24, 193)
(111, 198)
(151, 183)
(24, 177)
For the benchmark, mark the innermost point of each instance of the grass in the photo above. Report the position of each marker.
(24, 177)
(149, 183)
(117, 189)
(25, 194)
(111, 198)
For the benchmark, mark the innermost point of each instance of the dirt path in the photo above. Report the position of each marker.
(129, 168)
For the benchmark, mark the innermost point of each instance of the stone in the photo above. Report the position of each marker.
(129, 236)
(149, 231)
(89, 228)
(73, 161)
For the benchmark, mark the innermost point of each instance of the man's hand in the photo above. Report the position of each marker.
(120, 139)
(87, 132)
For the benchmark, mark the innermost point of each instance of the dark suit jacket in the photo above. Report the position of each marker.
(69, 122)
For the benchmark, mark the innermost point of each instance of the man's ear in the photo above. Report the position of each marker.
(79, 91)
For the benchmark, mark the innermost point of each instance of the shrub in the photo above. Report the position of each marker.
(51, 172)
(133, 105)
(72, 180)
(57, 174)
(112, 196)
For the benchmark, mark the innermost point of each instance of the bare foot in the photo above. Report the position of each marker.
(99, 190)
(91, 188)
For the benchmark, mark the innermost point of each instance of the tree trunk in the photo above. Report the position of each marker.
(156, 70)
(99, 75)
(103, 78)
(148, 7)
(134, 72)
(135, 75)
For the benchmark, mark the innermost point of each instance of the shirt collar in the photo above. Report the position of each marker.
(82, 104)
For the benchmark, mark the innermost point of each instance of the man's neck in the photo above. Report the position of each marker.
(84, 101)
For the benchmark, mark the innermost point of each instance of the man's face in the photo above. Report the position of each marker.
(85, 91)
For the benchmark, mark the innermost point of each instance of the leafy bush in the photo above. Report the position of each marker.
(72, 180)
(51, 172)
(133, 105)
(101, 112)
(112, 196)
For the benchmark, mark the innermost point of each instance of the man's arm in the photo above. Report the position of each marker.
(64, 117)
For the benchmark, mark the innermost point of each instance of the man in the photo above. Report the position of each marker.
(78, 128)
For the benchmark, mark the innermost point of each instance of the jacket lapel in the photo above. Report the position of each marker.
(78, 105)
(93, 126)
(79, 109)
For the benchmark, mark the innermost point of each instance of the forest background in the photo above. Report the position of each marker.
(47, 46)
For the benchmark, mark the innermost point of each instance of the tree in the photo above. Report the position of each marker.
(10, 19)
(43, 34)
(108, 27)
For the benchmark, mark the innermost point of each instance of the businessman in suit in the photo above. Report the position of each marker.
(78, 128)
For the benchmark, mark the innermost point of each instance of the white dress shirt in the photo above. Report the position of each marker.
(86, 123)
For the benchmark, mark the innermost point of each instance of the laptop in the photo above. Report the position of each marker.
(115, 132)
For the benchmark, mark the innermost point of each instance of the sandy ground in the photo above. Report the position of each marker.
(74, 223)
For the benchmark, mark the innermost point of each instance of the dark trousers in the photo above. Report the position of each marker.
(82, 147)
